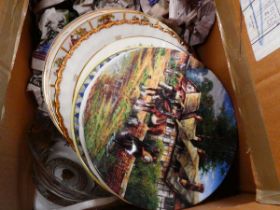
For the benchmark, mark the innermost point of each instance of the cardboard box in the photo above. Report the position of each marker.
(247, 81)
(256, 86)
(15, 160)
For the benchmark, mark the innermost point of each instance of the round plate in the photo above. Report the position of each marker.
(88, 36)
(156, 128)
(80, 92)
(87, 76)
(51, 64)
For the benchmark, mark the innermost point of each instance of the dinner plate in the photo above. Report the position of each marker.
(100, 59)
(79, 146)
(111, 50)
(155, 128)
(80, 94)
(96, 34)
(59, 48)
(93, 68)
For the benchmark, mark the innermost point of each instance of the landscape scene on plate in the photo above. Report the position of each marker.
(161, 133)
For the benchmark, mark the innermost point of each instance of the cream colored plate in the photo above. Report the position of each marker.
(60, 47)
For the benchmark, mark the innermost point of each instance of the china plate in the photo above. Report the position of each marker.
(90, 37)
(79, 146)
(59, 48)
(157, 129)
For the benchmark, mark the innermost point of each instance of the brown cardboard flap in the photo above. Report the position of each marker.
(268, 196)
(249, 78)
(12, 14)
(16, 191)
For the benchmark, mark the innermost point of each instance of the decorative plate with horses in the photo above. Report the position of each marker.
(156, 127)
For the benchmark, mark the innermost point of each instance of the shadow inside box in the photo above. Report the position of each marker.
(120, 206)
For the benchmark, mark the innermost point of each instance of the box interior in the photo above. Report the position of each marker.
(17, 189)
(257, 92)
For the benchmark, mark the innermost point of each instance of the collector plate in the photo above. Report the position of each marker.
(156, 128)
(81, 92)
(88, 35)
(94, 65)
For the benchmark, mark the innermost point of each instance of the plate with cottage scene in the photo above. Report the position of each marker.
(94, 66)
(157, 128)
(81, 92)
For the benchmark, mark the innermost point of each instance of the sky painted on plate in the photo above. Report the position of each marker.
(214, 177)
(218, 92)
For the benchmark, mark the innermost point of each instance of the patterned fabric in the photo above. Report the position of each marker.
(197, 18)
(191, 19)
(128, 4)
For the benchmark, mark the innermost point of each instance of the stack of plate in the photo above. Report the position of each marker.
(148, 122)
